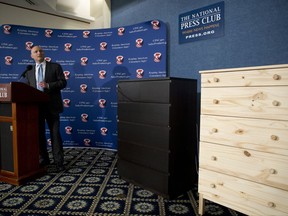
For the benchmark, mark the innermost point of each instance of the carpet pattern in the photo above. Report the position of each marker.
(90, 186)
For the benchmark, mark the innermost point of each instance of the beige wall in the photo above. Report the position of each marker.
(99, 10)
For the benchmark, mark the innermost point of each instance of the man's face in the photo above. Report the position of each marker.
(37, 54)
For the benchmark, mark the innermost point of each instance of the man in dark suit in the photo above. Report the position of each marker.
(49, 78)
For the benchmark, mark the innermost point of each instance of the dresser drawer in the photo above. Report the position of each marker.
(261, 167)
(257, 134)
(245, 196)
(255, 102)
(149, 90)
(245, 77)
(144, 113)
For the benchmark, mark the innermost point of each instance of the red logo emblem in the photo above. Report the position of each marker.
(139, 73)
(7, 29)
(29, 45)
(8, 60)
(86, 34)
(157, 57)
(83, 88)
(67, 47)
(84, 61)
(155, 24)
(84, 117)
(48, 33)
(66, 102)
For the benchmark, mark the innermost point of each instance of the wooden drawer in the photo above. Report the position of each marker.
(245, 196)
(255, 102)
(261, 167)
(245, 77)
(257, 134)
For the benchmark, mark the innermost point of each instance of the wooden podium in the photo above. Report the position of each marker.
(19, 139)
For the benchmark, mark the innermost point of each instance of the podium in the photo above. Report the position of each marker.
(19, 139)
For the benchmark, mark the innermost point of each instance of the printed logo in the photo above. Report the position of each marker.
(87, 142)
(67, 47)
(139, 73)
(7, 29)
(86, 34)
(84, 61)
(139, 42)
(48, 33)
(157, 57)
(103, 131)
(102, 103)
(66, 102)
(47, 59)
(28, 45)
(83, 88)
(84, 117)
(119, 59)
(121, 31)
(8, 60)
(155, 24)
(49, 142)
(103, 46)
(67, 74)
(68, 130)
(102, 74)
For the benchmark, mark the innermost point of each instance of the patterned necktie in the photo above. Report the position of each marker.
(40, 77)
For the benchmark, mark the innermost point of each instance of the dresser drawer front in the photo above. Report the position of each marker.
(256, 134)
(145, 113)
(245, 196)
(261, 167)
(152, 91)
(250, 77)
(255, 102)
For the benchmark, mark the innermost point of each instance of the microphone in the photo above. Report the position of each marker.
(29, 67)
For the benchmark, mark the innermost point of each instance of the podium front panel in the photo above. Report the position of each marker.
(6, 147)
(6, 109)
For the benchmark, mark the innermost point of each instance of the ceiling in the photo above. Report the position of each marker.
(74, 9)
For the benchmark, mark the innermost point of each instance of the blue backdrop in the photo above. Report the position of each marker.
(93, 61)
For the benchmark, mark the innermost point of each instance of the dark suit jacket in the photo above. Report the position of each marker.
(55, 78)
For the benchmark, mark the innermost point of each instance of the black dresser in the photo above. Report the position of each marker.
(157, 135)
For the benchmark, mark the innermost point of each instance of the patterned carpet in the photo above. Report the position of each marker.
(91, 186)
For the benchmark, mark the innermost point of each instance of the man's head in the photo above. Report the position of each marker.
(37, 54)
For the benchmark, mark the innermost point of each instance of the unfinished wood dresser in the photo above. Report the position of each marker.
(243, 161)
